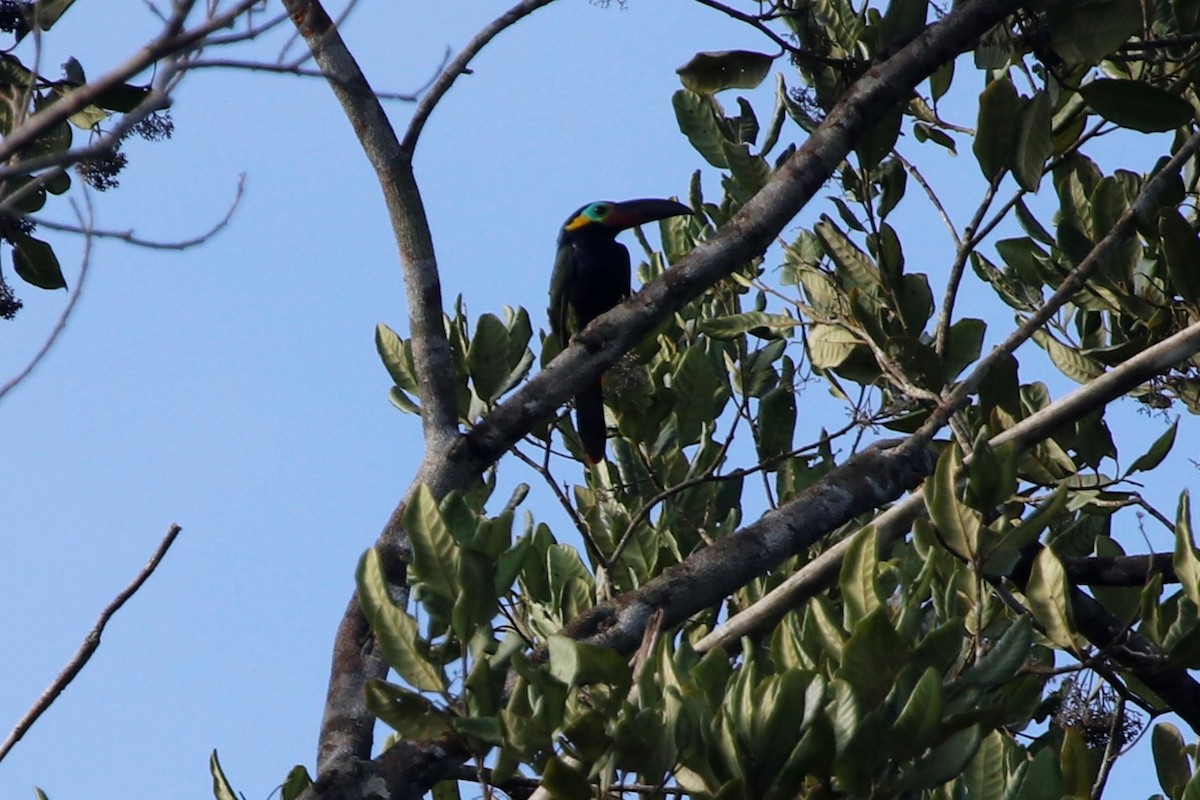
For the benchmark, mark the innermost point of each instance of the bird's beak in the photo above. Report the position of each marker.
(639, 212)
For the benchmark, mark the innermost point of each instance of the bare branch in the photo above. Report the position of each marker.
(132, 238)
(459, 67)
(172, 41)
(90, 643)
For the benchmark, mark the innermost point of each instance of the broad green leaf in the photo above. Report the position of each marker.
(830, 345)
(709, 73)
(487, 357)
(1181, 247)
(1049, 598)
(1137, 105)
(1039, 779)
(922, 714)
(992, 476)
(879, 139)
(1000, 664)
(985, 777)
(902, 19)
(1185, 561)
(402, 401)
(1034, 145)
(858, 581)
(1072, 363)
(564, 782)
(750, 171)
(1075, 763)
(579, 664)
(296, 782)
(1084, 33)
(946, 761)
(1170, 759)
(696, 115)
(395, 630)
(446, 790)
(406, 712)
(964, 341)
(1158, 451)
(221, 788)
(996, 130)
(397, 358)
(734, 325)
(434, 568)
(776, 422)
(957, 524)
(36, 263)
(855, 266)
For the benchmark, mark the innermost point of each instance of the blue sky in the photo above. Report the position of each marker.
(234, 388)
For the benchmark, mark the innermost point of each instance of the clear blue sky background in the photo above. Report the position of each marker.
(235, 388)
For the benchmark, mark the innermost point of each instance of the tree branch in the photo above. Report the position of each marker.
(90, 643)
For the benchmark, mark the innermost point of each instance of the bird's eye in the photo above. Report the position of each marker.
(599, 210)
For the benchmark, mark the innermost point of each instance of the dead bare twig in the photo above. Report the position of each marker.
(90, 643)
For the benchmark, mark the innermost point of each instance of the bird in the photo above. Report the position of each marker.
(591, 275)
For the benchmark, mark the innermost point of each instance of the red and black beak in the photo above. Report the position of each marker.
(638, 212)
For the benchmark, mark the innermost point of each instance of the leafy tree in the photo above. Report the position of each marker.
(734, 613)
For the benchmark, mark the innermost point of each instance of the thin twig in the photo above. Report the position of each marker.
(132, 238)
(90, 643)
(60, 324)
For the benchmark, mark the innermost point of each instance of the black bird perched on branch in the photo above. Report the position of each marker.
(591, 275)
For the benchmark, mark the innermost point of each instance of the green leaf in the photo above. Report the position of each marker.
(395, 630)
(830, 345)
(36, 263)
(1137, 105)
(996, 134)
(1001, 663)
(1185, 561)
(947, 761)
(406, 712)
(750, 171)
(855, 266)
(397, 358)
(1170, 759)
(1084, 33)
(957, 524)
(776, 422)
(487, 357)
(1072, 363)
(697, 115)
(921, 716)
(735, 325)
(295, 783)
(1181, 247)
(434, 568)
(964, 341)
(985, 777)
(1076, 766)
(1158, 451)
(564, 782)
(902, 19)
(709, 73)
(858, 581)
(221, 788)
(1049, 598)
(1034, 144)
(879, 139)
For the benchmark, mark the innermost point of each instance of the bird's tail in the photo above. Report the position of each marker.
(589, 420)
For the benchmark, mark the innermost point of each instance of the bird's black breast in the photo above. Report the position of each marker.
(600, 277)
